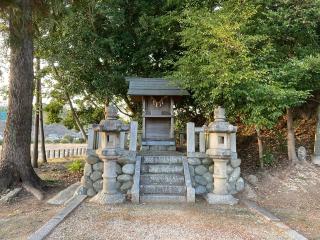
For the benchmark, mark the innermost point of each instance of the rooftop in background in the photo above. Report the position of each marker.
(153, 87)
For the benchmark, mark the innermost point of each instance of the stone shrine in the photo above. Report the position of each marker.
(119, 166)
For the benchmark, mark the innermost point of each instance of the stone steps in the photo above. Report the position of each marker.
(162, 198)
(165, 179)
(162, 168)
(163, 159)
(162, 179)
(162, 189)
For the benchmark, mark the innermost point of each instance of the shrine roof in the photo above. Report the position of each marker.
(153, 87)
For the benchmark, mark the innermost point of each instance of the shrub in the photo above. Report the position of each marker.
(76, 166)
(79, 140)
(64, 141)
(68, 138)
(268, 158)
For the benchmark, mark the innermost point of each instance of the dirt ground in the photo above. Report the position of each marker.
(24, 215)
(293, 195)
(165, 221)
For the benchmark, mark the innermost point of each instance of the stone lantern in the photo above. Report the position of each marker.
(110, 129)
(220, 151)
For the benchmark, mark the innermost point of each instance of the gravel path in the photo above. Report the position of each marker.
(156, 221)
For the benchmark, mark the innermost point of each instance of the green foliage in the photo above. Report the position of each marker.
(268, 158)
(76, 166)
(251, 57)
(68, 138)
(54, 110)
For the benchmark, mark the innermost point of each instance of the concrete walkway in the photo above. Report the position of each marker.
(160, 221)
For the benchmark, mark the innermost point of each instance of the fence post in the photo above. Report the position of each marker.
(191, 137)
(122, 139)
(133, 136)
(202, 142)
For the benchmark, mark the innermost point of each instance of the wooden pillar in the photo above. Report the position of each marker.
(143, 118)
(172, 118)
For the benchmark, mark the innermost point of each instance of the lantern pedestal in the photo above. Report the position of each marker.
(109, 193)
(228, 199)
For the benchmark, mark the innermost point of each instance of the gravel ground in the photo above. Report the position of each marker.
(163, 221)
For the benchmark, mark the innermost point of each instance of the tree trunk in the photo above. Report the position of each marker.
(75, 117)
(316, 153)
(43, 140)
(292, 155)
(15, 161)
(36, 118)
(260, 147)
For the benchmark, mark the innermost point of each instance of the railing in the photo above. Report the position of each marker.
(61, 152)
(196, 138)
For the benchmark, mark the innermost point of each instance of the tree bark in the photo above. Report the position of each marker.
(37, 117)
(316, 152)
(75, 116)
(260, 147)
(15, 161)
(292, 155)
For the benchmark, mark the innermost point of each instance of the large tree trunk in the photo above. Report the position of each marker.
(36, 117)
(260, 147)
(292, 155)
(316, 153)
(15, 161)
(75, 117)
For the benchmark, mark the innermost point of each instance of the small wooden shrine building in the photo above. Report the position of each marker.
(158, 97)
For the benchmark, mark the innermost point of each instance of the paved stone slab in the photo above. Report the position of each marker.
(46, 229)
(272, 218)
(63, 196)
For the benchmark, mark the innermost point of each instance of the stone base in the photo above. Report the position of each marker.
(104, 198)
(221, 199)
(316, 160)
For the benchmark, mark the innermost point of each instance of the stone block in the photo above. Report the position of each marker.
(235, 162)
(221, 199)
(200, 180)
(126, 186)
(211, 168)
(98, 166)
(200, 190)
(209, 187)
(124, 178)
(96, 175)
(87, 169)
(128, 169)
(208, 176)
(97, 185)
(229, 169)
(206, 161)
(91, 192)
(194, 161)
(200, 170)
(118, 169)
(240, 185)
(92, 159)
(234, 175)
(302, 154)
(86, 182)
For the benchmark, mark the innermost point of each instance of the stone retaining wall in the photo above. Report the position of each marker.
(92, 182)
(201, 171)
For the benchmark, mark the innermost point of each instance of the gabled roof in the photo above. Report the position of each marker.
(153, 87)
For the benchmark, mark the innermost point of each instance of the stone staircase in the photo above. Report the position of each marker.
(162, 178)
